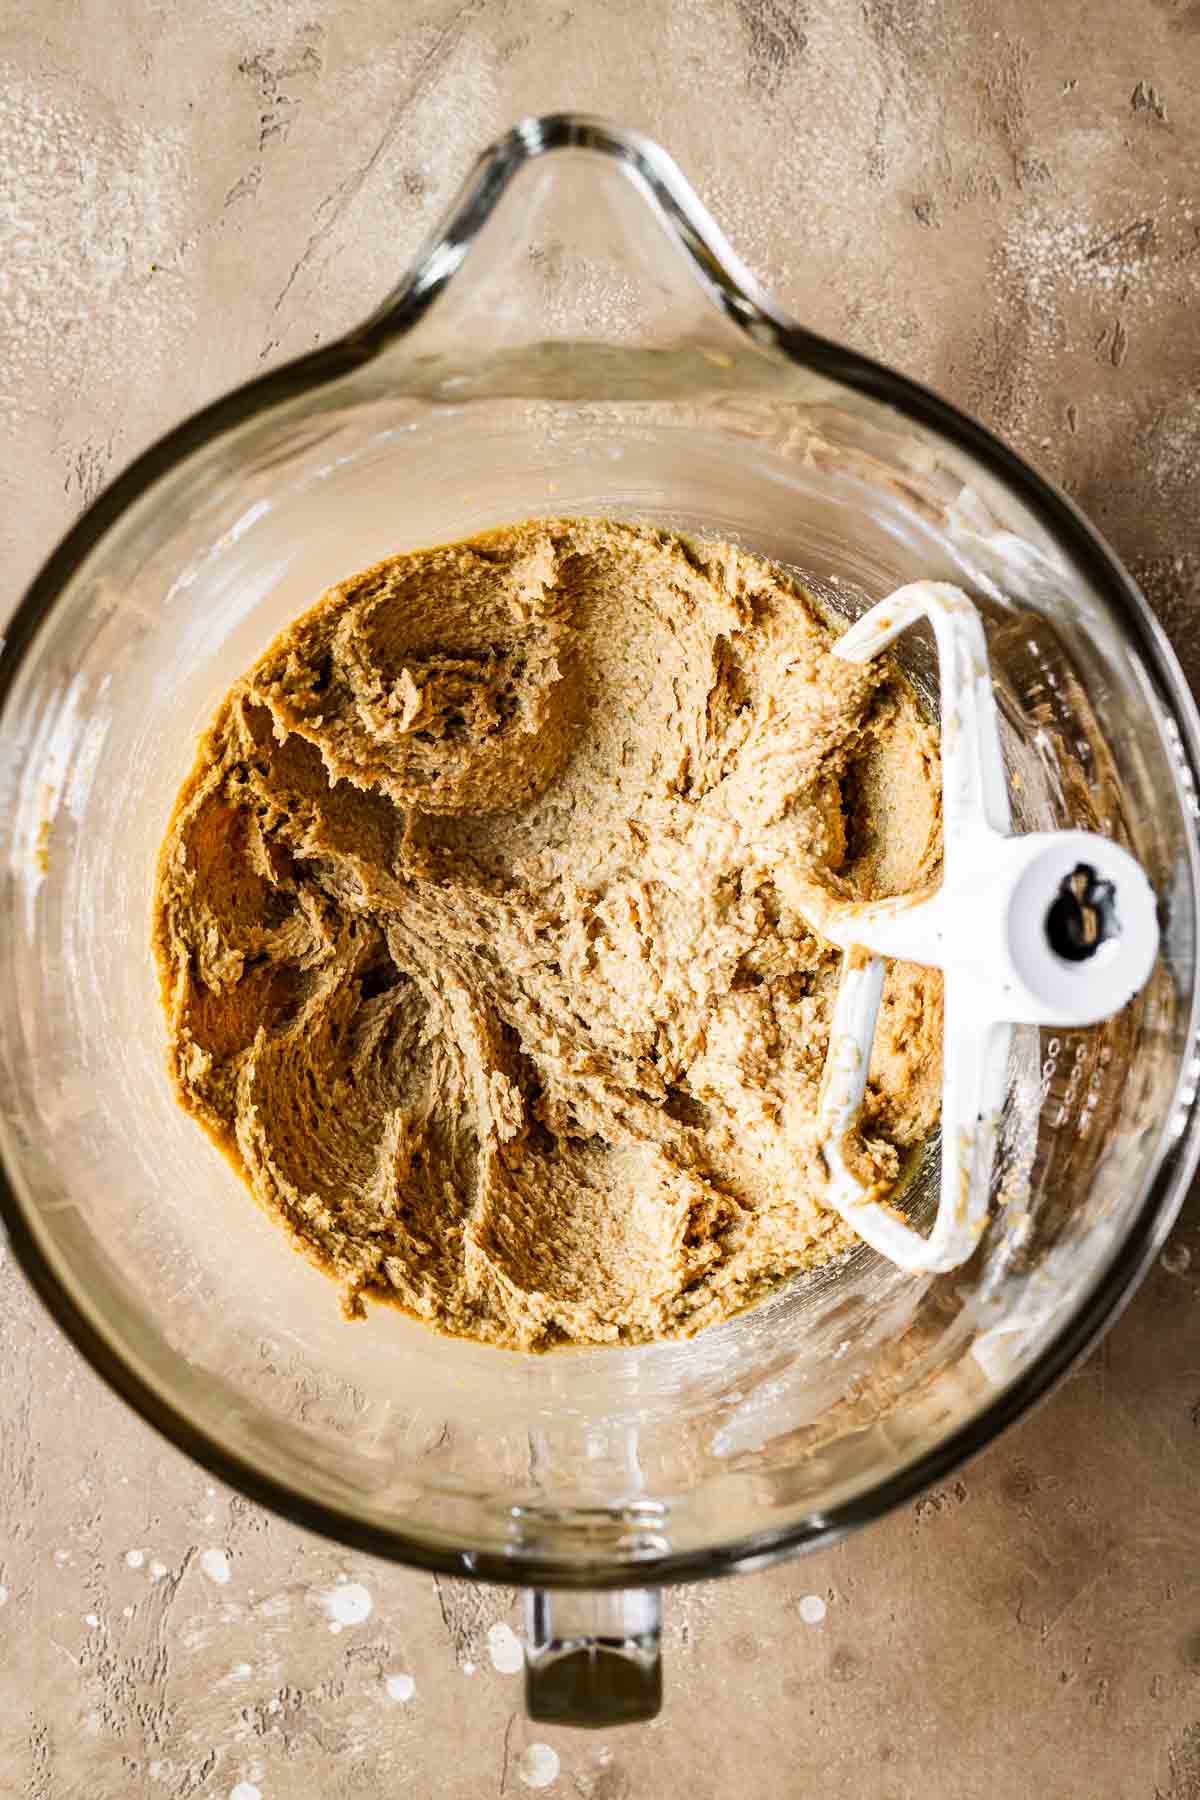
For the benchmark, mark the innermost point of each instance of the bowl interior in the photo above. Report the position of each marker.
(587, 1460)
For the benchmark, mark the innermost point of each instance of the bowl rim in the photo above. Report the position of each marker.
(732, 288)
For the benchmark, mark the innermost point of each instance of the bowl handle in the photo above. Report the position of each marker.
(593, 1658)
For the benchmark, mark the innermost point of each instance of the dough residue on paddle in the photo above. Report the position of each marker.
(479, 921)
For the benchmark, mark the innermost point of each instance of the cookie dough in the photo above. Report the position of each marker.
(480, 927)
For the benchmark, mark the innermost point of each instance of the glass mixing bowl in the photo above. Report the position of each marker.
(577, 338)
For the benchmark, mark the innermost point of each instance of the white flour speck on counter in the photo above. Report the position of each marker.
(347, 1605)
(135, 1558)
(117, 193)
(504, 1648)
(215, 1564)
(812, 1609)
(400, 1687)
(245, 1790)
(538, 1765)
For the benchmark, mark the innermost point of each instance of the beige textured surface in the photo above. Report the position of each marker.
(1003, 199)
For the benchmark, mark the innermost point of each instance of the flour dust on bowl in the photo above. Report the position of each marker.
(578, 339)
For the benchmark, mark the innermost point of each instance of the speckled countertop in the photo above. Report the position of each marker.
(1000, 196)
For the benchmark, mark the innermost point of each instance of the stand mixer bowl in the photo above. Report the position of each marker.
(577, 338)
